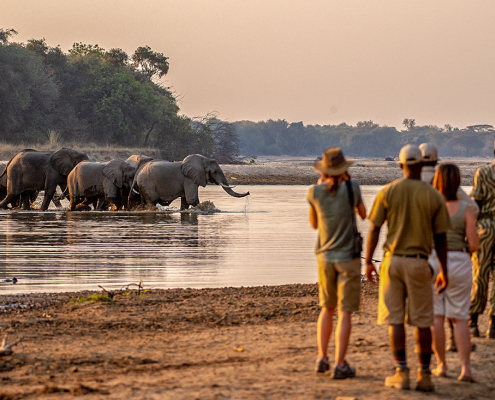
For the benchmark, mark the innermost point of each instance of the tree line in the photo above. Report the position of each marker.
(108, 97)
(98, 96)
(366, 139)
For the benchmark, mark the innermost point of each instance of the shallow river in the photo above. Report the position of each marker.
(262, 239)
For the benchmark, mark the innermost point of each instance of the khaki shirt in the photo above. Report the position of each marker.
(414, 211)
(484, 188)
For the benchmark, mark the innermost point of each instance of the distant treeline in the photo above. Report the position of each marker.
(91, 95)
(366, 139)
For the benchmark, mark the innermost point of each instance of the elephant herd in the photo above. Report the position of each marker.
(116, 184)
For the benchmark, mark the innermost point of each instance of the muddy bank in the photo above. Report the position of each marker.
(225, 343)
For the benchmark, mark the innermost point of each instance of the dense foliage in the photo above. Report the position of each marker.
(366, 139)
(90, 95)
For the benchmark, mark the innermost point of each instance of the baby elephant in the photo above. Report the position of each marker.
(106, 183)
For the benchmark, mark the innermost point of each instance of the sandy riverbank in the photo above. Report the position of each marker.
(226, 343)
(299, 171)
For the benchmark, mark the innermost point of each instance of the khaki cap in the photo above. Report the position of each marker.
(429, 151)
(410, 155)
(333, 162)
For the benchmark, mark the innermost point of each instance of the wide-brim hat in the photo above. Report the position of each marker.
(333, 162)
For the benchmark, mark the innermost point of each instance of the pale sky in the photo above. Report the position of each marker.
(316, 61)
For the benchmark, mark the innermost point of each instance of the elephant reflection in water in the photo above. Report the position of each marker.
(162, 182)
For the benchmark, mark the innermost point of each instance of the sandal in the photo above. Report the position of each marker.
(467, 379)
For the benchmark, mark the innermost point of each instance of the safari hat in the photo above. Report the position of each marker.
(410, 155)
(429, 151)
(333, 162)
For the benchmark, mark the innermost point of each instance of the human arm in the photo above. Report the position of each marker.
(313, 219)
(471, 234)
(371, 243)
(463, 196)
(442, 281)
(361, 211)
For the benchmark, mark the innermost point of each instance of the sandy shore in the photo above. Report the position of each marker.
(227, 343)
(299, 171)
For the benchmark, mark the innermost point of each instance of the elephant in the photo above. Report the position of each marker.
(30, 170)
(107, 183)
(137, 161)
(163, 181)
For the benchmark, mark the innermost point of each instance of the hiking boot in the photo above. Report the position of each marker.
(400, 380)
(473, 326)
(322, 365)
(423, 383)
(490, 333)
(344, 372)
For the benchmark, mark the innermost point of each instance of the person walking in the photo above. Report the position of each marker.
(454, 302)
(334, 201)
(417, 217)
(484, 259)
(430, 160)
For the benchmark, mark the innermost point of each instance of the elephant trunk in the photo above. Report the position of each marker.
(222, 181)
(232, 193)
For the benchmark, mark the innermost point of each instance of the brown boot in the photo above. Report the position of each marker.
(400, 380)
(423, 383)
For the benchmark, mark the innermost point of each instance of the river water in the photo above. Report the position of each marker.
(262, 239)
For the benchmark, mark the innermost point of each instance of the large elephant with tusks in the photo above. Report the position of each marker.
(31, 170)
(163, 181)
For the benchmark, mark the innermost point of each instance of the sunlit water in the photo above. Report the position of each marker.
(262, 239)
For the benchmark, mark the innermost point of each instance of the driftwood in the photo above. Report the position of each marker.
(112, 293)
(6, 349)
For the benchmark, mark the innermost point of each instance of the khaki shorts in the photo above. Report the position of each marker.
(339, 283)
(405, 292)
(455, 301)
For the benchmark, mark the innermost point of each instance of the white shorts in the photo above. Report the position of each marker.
(455, 301)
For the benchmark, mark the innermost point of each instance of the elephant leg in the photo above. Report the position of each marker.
(46, 199)
(25, 201)
(10, 199)
(100, 205)
(184, 205)
(73, 202)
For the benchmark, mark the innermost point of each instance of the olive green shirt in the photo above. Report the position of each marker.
(335, 226)
(484, 188)
(456, 237)
(414, 211)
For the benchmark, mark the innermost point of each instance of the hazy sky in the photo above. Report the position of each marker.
(316, 61)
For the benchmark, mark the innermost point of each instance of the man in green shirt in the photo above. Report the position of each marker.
(416, 216)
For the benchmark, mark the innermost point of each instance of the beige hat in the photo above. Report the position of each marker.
(429, 151)
(410, 155)
(333, 162)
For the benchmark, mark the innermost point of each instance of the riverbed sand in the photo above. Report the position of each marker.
(299, 171)
(225, 343)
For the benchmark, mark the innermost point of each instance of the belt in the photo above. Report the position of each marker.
(424, 257)
(464, 250)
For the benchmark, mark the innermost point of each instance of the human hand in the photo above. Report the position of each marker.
(370, 269)
(441, 282)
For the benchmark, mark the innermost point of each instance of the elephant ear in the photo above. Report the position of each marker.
(113, 171)
(64, 160)
(194, 168)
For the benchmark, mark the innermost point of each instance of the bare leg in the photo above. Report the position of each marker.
(342, 335)
(423, 339)
(397, 337)
(463, 340)
(438, 332)
(324, 330)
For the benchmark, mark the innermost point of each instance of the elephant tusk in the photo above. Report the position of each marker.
(134, 190)
(227, 186)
